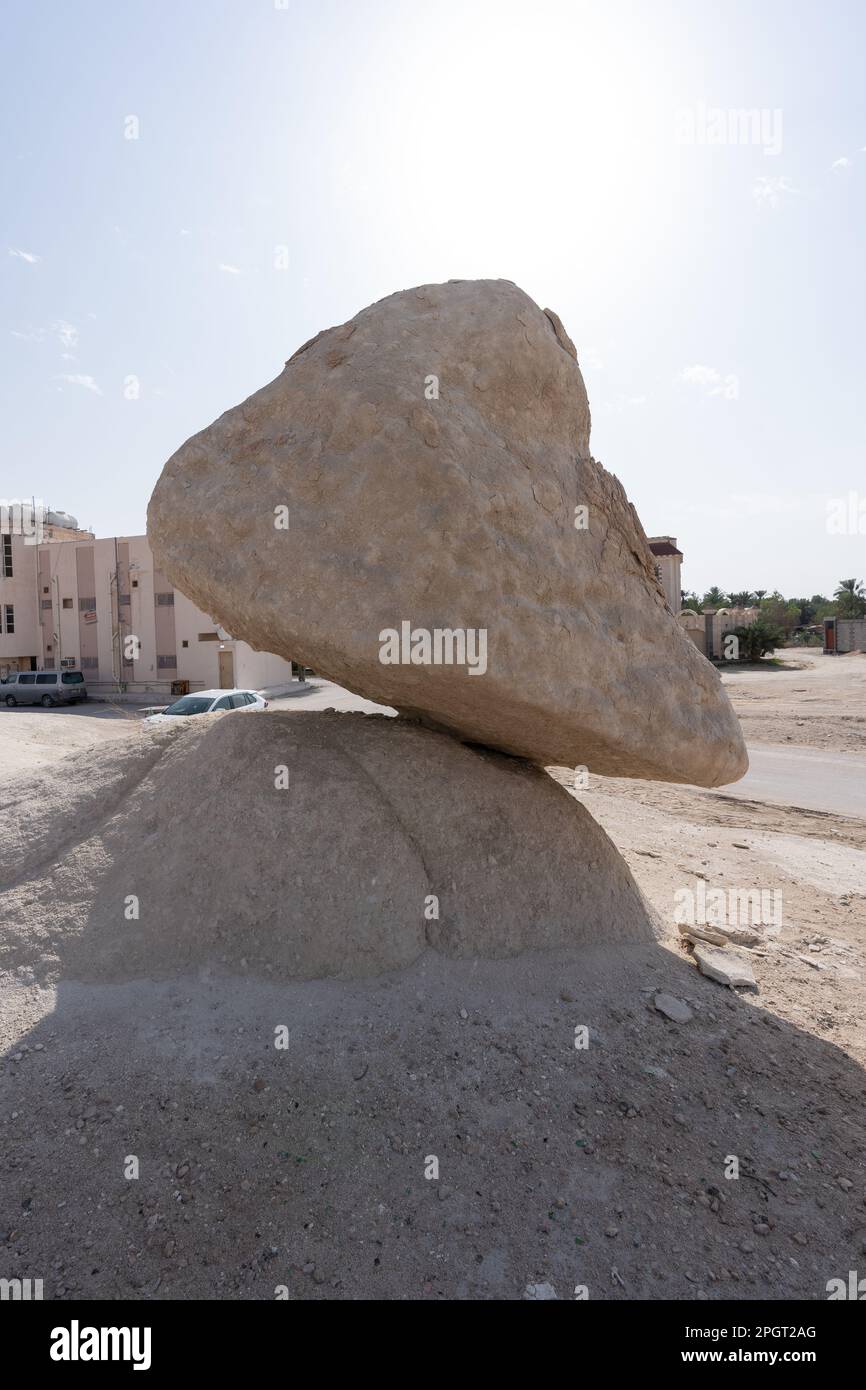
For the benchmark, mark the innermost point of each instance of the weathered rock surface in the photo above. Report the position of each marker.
(702, 933)
(388, 840)
(728, 967)
(727, 935)
(448, 513)
(672, 1008)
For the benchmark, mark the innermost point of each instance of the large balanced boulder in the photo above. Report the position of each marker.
(338, 844)
(452, 548)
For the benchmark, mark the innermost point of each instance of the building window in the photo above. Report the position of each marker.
(89, 663)
(164, 600)
(49, 648)
(46, 603)
(67, 603)
(85, 605)
(7, 557)
(10, 617)
(49, 663)
(208, 637)
(166, 663)
(135, 583)
(184, 643)
(123, 600)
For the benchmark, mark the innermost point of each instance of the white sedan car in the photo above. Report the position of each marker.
(208, 702)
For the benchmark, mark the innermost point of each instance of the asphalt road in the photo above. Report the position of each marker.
(817, 781)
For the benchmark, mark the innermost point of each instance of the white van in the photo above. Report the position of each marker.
(43, 688)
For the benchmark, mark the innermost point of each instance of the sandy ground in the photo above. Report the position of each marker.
(35, 737)
(812, 971)
(601, 1167)
(810, 699)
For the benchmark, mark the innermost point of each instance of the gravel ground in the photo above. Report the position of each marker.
(601, 1167)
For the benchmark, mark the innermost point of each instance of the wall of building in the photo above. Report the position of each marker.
(694, 626)
(19, 591)
(851, 634)
(726, 619)
(670, 574)
(260, 670)
(668, 561)
(199, 661)
(104, 605)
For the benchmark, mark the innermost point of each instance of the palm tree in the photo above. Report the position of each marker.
(760, 594)
(743, 598)
(714, 598)
(851, 598)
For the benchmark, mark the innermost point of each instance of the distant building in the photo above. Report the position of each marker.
(844, 635)
(668, 565)
(706, 629)
(73, 600)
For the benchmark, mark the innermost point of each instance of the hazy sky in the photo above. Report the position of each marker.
(715, 291)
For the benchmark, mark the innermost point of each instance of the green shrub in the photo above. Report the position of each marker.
(758, 640)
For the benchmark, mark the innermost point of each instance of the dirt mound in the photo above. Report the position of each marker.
(300, 847)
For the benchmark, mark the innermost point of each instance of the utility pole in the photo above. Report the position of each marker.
(58, 636)
(114, 609)
(116, 626)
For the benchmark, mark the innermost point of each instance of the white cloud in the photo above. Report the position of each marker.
(77, 379)
(842, 162)
(229, 269)
(67, 333)
(29, 256)
(768, 192)
(711, 381)
(591, 357)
